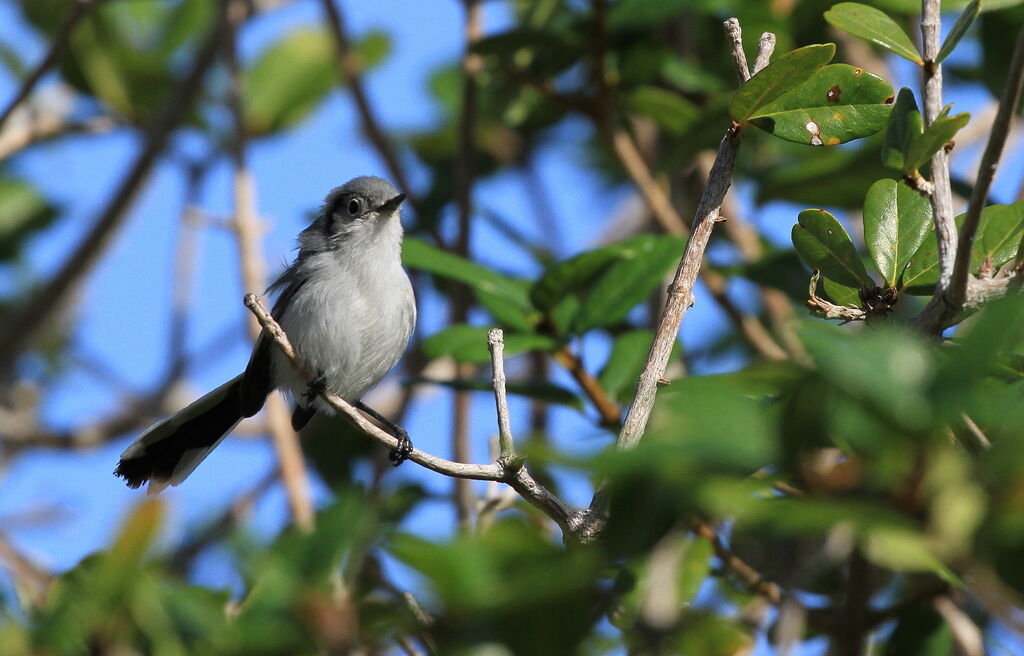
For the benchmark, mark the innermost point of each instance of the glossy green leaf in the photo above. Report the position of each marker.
(935, 136)
(627, 282)
(467, 343)
(565, 277)
(841, 294)
(1000, 232)
(417, 254)
(896, 222)
(905, 125)
(963, 23)
(23, 212)
(823, 244)
(538, 390)
(838, 103)
(288, 80)
(873, 25)
(921, 273)
(785, 73)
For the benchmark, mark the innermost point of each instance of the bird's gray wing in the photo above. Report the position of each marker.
(257, 381)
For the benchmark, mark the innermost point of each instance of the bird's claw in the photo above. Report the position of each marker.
(401, 453)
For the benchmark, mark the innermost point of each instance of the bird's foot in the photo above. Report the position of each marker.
(401, 453)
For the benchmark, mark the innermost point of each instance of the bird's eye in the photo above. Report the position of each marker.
(354, 206)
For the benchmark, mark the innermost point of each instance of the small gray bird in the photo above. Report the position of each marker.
(347, 306)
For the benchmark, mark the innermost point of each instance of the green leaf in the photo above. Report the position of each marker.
(963, 23)
(1000, 238)
(905, 125)
(23, 211)
(629, 281)
(896, 222)
(785, 73)
(935, 136)
(468, 343)
(920, 631)
(873, 25)
(625, 362)
(838, 103)
(841, 294)
(823, 244)
(288, 80)
(538, 390)
(562, 278)
(668, 109)
(496, 288)
(921, 273)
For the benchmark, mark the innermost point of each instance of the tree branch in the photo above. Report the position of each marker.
(496, 345)
(253, 268)
(21, 328)
(574, 523)
(79, 10)
(941, 194)
(986, 172)
(348, 64)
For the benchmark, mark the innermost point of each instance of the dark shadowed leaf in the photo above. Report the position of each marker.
(896, 222)
(837, 104)
(626, 360)
(934, 137)
(1000, 237)
(841, 294)
(873, 25)
(785, 73)
(496, 288)
(668, 109)
(538, 390)
(288, 80)
(628, 282)
(469, 343)
(920, 631)
(23, 211)
(963, 23)
(905, 125)
(823, 244)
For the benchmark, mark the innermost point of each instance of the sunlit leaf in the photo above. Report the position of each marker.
(963, 23)
(999, 240)
(468, 343)
(841, 294)
(873, 25)
(896, 222)
(783, 74)
(837, 104)
(935, 137)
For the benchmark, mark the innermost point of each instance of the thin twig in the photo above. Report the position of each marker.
(574, 523)
(253, 268)
(79, 10)
(968, 636)
(826, 310)
(609, 410)
(749, 576)
(942, 195)
(21, 328)
(506, 446)
(45, 125)
(735, 35)
(986, 172)
(764, 51)
(465, 171)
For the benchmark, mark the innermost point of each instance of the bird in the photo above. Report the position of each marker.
(347, 306)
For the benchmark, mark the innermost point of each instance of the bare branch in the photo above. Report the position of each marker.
(21, 328)
(79, 10)
(942, 196)
(19, 135)
(750, 577)
(826, 310)
(764, 51)
(986, 172)
(247, 233)
(966, 633)
(496, 345)
(609, 410)
(735, 34)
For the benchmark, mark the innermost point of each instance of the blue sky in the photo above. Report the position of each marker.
(122, 319)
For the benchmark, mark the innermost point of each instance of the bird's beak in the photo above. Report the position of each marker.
(390, 206)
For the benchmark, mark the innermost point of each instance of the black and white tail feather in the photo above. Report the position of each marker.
(348, 306)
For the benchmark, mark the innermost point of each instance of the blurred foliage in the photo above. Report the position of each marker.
(858, 467)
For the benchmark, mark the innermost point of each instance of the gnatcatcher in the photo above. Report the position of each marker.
(347, 306)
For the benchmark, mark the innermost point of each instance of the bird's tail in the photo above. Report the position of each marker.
(169, 450)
